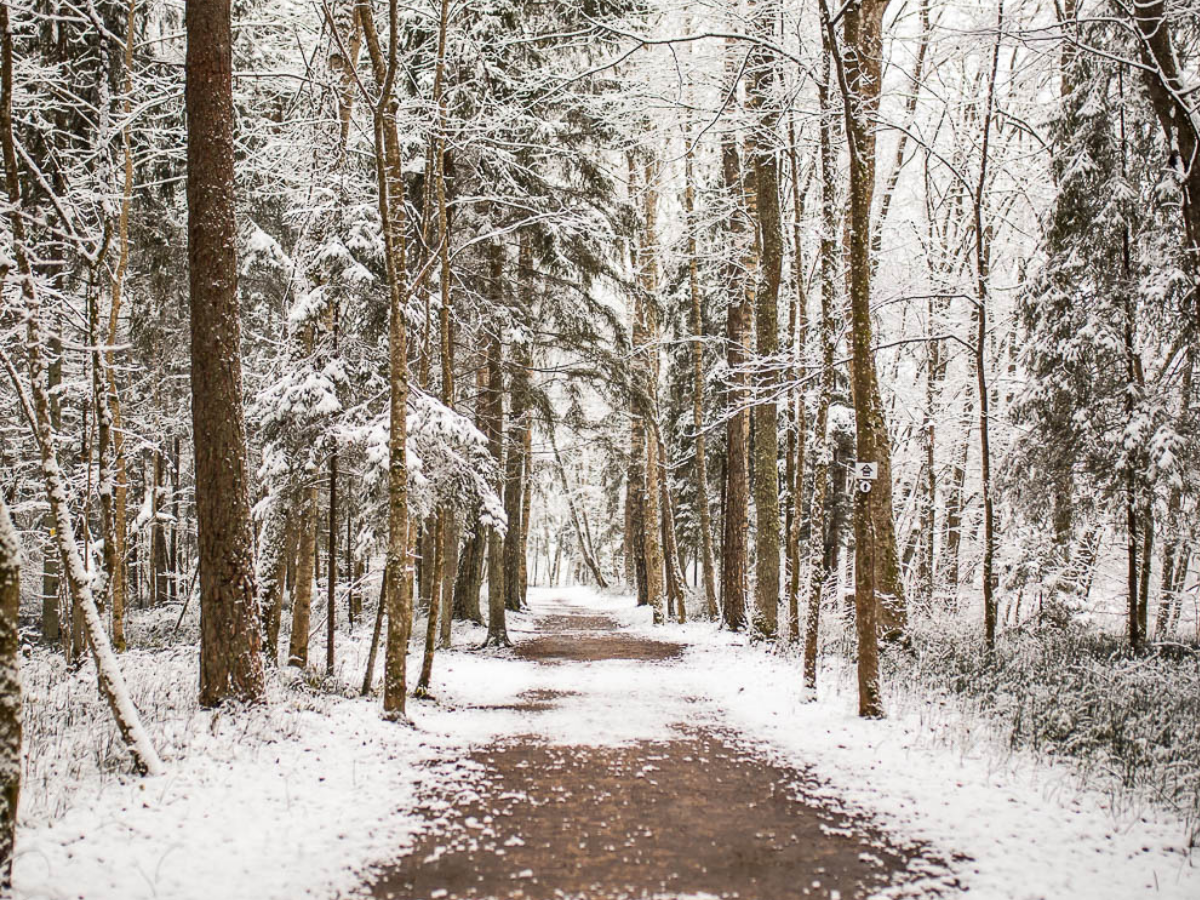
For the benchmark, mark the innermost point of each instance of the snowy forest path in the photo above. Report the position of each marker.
(689, 810)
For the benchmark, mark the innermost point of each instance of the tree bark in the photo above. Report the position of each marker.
(822, 453)
(767, 376)
(10, 693)
(302, 598)
(389, 171)
(735, 516)
(701, 471)
(230, 628)
(497, 627)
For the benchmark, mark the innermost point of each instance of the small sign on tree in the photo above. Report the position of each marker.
(866, 471)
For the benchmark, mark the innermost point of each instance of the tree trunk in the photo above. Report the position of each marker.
(982, 269)
(373, 653)
(645, 347)
(822, 455)
(389, 171)
(331, 575)
(449, 581)
(767, 377)
(878, 596)
(302, 598)
(701, 472)
(230, 629)
(10, 692)
(469, 579)
(497, 627)
(736, 501)
(798, 341)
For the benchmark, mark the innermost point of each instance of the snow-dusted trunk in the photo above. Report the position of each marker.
(766, 380)
(822, 452)
(645, 346)
(231, 665)
(10, 692)
(494, 398)
(797, 341)
(737, 480)
(37, 411)
(672, 566)
(516, 465)
(878, 593)
(438, 563)
(450, 566)
(982, 271)
(120, 492)
(305, 567)
(706, 543)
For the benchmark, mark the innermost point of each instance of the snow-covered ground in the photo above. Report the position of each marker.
(300, 798)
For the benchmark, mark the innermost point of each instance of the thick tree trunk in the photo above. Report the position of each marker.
(230, 628)
(767, 377)
(878, 595)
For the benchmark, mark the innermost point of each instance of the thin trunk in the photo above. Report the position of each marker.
(305, 572)
(982, 267)
(673, 566)
(450, 568)
(10, 693)
(497, 627)
(798, 340)
(701, 472)
(121, 488)
(817, 572)
(955, 505)
(331, 575)
(647, 328)
(585, 543)
(389, 169)
(431, 622)
(373, 653)
(736, 486)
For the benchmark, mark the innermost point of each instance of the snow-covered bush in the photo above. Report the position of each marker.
(1130, 723)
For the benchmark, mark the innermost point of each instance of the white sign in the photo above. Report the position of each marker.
(866, 471)
(864, 486)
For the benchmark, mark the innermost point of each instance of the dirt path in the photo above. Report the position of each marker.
(698, 815)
